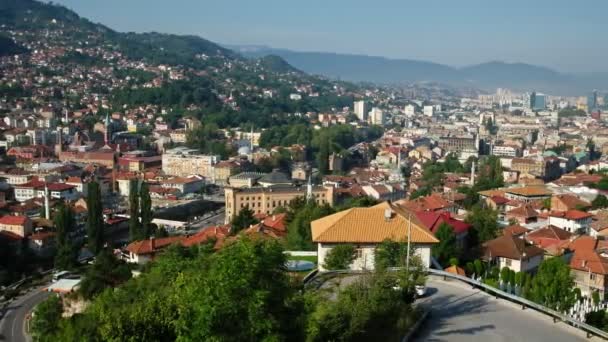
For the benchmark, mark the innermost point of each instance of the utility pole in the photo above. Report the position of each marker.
(409, 238)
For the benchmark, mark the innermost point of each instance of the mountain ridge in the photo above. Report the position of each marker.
(489, 75)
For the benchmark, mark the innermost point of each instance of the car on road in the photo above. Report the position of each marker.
(420, 290)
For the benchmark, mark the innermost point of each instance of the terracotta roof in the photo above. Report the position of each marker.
(571, 214)
(511, 247)
(431, 202)
(14, 220)
(515, 230)
(215, 232)
(529, 191)
(525, 211)
(150, 246)
(600, 221)
(584, 260)
(455, 270)
(368, 225)
(583, 242)
(571, 201)
(548, 236)
(499, 200)
(10, 235)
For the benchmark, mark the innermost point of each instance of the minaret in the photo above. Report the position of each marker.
(59, 142)
(47, 207)
(473, 174)
(309, 195)
(107, 135)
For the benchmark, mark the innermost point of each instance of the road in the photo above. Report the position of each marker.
(460, 313)
(12, 327)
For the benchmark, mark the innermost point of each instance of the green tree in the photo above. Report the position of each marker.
(67, 252)
(94, 223)
(299, 217)
(340, 257)
(242, 220)
(599, 202)
(46, 318)
(504, 275)
(447, 246)
(106, 272)
(390, 253)
(553, 285)
(145, 203)
(484, 223)
(135, 230)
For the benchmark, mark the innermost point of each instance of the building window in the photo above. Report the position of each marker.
(359, 253)
(508, 262)
(592, 276)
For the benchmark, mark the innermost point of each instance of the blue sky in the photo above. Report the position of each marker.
(564, 34)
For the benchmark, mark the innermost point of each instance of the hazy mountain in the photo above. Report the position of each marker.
(277, 64)
(491, 75)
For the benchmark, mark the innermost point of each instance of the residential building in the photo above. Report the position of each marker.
(19, 225)
(514, 253)
(567, 202)
(366, 228)
(527, 194)
(428, 110)
(377, 116)
(144, 251)
(545, 168)
(573, 221)
(185, 185)
(590, 271)
(360, 109)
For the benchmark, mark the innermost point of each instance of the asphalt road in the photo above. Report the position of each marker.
(460, 313)
(12, 327)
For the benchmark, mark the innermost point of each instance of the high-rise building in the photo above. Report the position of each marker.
(360, 108)
(377, 116)
(592, 101)
(410, 110)
(429, 110)
(538, 101)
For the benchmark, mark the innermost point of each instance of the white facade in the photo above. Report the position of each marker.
(360, 109)
(429, 110)
(377, 116)
(365, 258)
(504, 151)
(526, 265)
(410, 110)
(572, 226)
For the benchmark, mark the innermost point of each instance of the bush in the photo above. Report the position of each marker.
(340, 257)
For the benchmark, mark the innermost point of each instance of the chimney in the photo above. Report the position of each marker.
(152, 244)
(584, 262)
(388, 214)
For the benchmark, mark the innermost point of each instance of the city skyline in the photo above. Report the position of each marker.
(544, 33)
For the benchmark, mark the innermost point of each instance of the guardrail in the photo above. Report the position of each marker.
(300, 253)
(525, 303)
(590, 330)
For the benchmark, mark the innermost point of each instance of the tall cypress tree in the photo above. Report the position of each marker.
(135, 231)
(95, 218)
(145, 204)
(67, 252)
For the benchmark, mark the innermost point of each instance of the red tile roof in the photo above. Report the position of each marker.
(14, 220)
(515, 230)
(589, 261)
(571, 214)
(548, 236)
(432, 220)
(511, 247)
(215, 232)
(151, 246)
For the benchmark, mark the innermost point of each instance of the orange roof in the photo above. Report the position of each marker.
(583, 242)
(150, 246)
(515, 230)
(571, 201)
(571, 214)
(215, 232)
(529, 191)
(42, 236)
(369, 225)
(455, 270)
(589, 261)
(523, 211)
(511, 247)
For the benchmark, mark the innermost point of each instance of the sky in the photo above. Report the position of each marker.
(565, 35)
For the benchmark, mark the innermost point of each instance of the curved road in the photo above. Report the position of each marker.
(461, 313)
(12, 324)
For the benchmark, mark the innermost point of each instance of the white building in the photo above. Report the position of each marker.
(429, 110)
(360, 109)
(366, 228)
(184, 162)
(410, 110)
(573, 221)
(377, 116)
